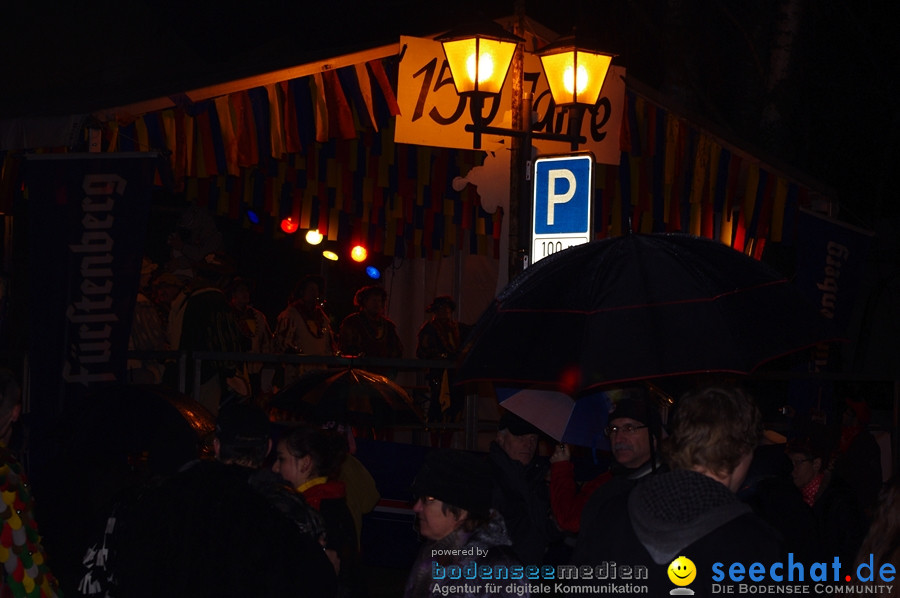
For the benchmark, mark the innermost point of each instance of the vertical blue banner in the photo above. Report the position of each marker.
(831, 262)
(87, 225)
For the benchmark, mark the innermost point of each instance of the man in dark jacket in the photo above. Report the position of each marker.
(219, 529)
(521, 493)
(841, 524)
(634, 431)
(858, 458)
(692, 511)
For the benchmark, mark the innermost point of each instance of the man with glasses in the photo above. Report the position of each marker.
(634, 431)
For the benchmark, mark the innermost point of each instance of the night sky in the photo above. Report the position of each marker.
(712, 58)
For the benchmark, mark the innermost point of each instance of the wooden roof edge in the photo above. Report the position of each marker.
(241, 84)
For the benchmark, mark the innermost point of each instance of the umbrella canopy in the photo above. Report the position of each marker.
(558, 415)
(348, 395)
(112, 444)
(142, 425)
(639, 307)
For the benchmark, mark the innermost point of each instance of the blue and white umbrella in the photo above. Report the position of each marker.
(578, 421)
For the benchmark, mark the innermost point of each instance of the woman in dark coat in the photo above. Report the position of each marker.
(454, 515)
(310, 459)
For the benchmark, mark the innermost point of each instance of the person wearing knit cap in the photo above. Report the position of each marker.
(521, 494)
(634, 430)
(453, 492)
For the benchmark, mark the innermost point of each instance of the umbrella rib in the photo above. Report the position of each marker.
(638, 306)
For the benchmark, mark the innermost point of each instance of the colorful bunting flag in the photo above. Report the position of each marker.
(320, 149)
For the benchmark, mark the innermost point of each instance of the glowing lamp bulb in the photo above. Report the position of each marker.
(373, 272)
(570, 80)
(359, 253)
(289, 226)
(330, 255)
(485, 67)
(314, 237)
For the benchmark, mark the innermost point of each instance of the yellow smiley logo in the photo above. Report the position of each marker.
(682, 571)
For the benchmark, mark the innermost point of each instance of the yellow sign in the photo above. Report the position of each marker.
(431, 112)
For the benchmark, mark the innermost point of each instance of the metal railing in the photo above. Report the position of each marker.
(471, 425)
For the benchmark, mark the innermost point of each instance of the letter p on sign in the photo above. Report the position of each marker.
(553, 196)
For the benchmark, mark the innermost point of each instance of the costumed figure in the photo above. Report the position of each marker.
(303, 328)
(441, 338)
(368, 333)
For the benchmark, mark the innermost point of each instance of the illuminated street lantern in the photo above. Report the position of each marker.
(575, 73)
(479, 56)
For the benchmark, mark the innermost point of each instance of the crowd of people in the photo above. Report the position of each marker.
(272, 513)
(208, 308)
(279, 510)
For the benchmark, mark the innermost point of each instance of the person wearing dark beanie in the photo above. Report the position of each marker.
(453, 492)
(635, 431)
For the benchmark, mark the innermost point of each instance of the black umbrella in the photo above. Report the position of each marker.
(112, 445)
(639, 307)
(348, 395)
(142, 425)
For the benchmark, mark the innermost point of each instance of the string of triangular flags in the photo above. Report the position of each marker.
(676, 176)
(320, 149)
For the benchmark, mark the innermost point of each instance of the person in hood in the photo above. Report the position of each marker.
(692, 511)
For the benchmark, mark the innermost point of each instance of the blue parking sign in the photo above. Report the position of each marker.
(563, 192)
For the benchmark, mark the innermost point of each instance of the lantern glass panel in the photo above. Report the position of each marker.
(478, 64)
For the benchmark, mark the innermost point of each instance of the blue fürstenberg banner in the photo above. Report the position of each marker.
(87, 221)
